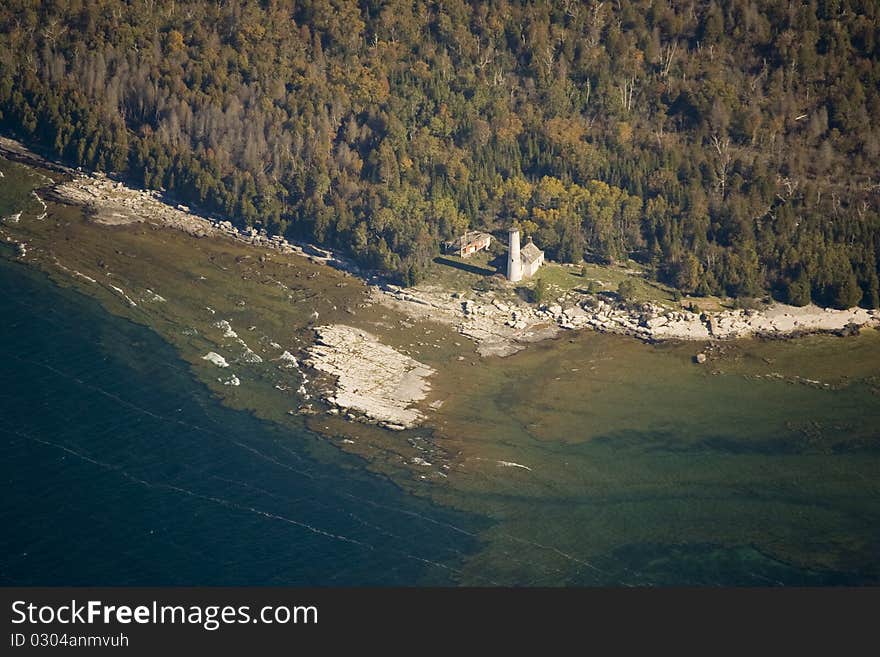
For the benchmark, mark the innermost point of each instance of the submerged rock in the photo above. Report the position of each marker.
(288, 359)
(248, 355)
(217, 359)
(224, 326)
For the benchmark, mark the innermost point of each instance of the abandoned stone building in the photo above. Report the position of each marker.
(469, 243)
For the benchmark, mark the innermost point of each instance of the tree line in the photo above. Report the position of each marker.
(732, 147)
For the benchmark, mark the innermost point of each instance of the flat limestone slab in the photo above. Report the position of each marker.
(372, 378)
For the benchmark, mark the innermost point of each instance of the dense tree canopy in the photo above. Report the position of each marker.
(732, 146)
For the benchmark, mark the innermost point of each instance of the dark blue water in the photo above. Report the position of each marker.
(119, 468)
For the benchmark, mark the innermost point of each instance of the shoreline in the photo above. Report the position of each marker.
(501, 327)
(497, 326)
(367, 371)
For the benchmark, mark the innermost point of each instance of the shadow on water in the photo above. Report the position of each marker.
(669, 442)
(711, 565)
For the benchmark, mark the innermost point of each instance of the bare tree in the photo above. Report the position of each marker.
(627, 89)
(722, 163)
(667, 56)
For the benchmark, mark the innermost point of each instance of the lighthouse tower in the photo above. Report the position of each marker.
(514, 260)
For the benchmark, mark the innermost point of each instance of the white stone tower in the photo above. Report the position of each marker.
(514, 261)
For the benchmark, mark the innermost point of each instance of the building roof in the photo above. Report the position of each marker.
(530, 253)
(468, 238)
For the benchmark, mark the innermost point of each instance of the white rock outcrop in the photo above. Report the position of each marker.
(371, 378)
(288, 360)
(216, 359)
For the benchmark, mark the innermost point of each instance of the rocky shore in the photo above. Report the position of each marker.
(18, 152)
(502, 327)
(114, 204)
(374, 382)
(498, 326)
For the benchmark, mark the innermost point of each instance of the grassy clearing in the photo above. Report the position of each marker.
(461, 274)
(561, 279)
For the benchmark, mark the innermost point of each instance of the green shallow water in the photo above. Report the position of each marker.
(15, 189)
(650, 469)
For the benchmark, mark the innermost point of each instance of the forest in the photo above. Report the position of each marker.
(731, 147)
